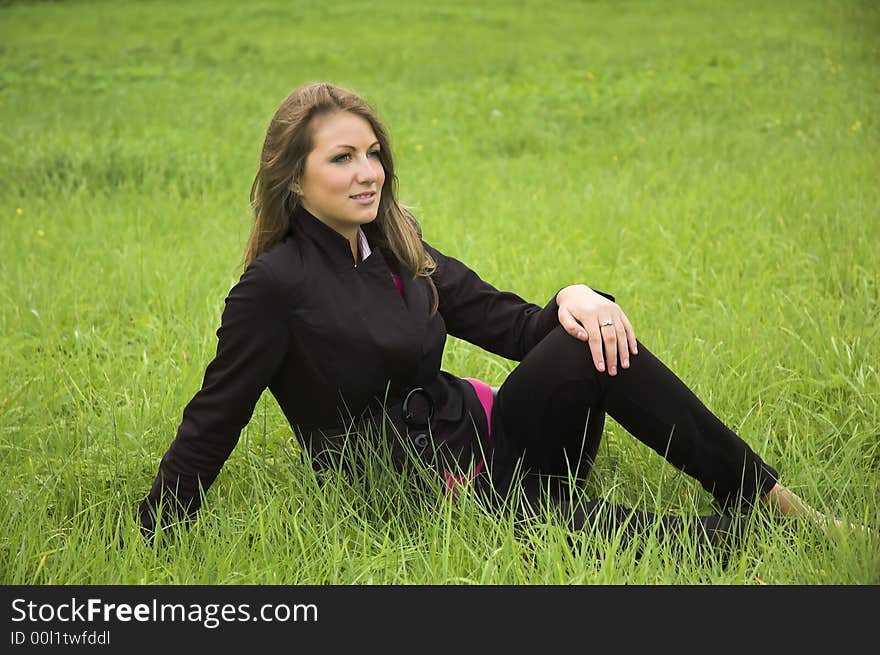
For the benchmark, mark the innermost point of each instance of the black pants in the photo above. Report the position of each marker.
(547, 422)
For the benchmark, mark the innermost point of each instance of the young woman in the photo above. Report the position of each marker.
(343, 312)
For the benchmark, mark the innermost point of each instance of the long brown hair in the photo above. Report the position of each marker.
(289, 141)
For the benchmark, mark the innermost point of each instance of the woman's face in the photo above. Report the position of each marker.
(343, 176)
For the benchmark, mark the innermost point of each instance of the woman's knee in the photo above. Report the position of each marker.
(563, 356)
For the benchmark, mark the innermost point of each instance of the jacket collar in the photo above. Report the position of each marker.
(329, 241)
(334, 246)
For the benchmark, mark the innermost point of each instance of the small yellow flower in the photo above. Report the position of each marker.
(40, 233)
(777, 121)
(590, 75)
(19, 211)
(855, 127)
(614, 157)
(419, 147)
(434, 121)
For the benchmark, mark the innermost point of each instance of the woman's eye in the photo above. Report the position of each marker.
(346, 156)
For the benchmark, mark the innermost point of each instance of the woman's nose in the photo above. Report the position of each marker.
(370, 170)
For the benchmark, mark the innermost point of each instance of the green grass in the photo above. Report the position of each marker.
(714, 165)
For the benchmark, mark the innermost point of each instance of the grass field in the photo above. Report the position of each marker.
(714, 165)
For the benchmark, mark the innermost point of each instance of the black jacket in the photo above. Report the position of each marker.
(335, 342)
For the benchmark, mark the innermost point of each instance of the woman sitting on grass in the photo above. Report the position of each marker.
(343, 312)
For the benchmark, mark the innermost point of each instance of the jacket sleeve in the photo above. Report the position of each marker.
(498, 321)
(252, 342)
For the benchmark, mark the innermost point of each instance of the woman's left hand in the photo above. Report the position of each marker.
(591, 317)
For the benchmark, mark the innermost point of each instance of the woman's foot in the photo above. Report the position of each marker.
(787, 503)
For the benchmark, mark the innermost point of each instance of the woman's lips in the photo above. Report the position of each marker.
(364, 198)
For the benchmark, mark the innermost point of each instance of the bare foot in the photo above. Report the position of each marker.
(787, 503)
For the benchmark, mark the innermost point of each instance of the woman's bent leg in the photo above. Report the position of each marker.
(544, 421)
(554, 399)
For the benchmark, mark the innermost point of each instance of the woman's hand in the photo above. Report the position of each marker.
(591, 317)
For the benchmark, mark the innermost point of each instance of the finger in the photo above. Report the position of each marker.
(570, 325)
(595, 341)
(622, 344)
(609, 338)
(630, 334)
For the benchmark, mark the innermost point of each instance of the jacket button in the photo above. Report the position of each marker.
(421, 440)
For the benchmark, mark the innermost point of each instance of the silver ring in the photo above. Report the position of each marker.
(607, 321)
